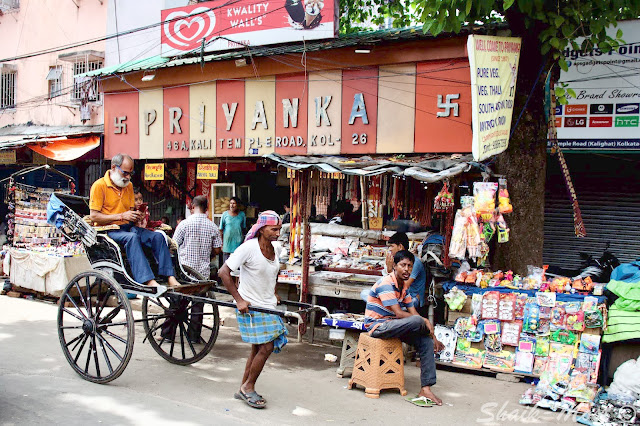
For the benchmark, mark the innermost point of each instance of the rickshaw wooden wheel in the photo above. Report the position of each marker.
(179, 330)
(95, 326)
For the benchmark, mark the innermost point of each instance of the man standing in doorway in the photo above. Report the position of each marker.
(258, 261)
(111, 203)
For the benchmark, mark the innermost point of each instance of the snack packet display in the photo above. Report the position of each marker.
(484, 194)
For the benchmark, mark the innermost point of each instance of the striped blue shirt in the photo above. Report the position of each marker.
(383, 294)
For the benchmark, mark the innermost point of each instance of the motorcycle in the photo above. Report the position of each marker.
(599, 270)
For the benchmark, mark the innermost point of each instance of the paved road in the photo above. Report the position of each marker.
(38, 387)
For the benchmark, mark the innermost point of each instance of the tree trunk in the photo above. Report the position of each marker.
(524, 162)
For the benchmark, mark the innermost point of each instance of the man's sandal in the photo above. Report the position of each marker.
(252, 399)
(421, 401)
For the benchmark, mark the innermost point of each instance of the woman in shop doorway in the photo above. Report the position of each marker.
(232, 225)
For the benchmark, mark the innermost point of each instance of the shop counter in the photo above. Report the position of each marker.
(44, 272)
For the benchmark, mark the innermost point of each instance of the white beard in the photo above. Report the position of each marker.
(119, 180)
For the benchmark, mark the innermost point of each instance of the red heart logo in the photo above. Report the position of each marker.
(185, 29)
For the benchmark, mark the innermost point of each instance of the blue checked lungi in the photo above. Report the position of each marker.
(258, 328)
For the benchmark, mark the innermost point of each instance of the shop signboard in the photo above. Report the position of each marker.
(223, 25)
(320, 113)
(8, 156)
(494, 71)
(154, 171)
(604, 114)
(207, 171)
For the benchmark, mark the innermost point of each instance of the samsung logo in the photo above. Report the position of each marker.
(626, 109)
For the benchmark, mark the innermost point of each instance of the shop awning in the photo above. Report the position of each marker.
(66, 149)
(61, 143)
(426, 168)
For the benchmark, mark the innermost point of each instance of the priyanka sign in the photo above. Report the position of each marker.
(224, 25)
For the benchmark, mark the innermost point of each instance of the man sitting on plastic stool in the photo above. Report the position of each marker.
(111, 202)
(390, 313)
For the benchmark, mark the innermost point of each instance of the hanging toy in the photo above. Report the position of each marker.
(503, 230)
(484, 194)
(444, 200)
(504, 203)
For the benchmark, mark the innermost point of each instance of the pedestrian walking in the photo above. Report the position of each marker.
(258, 261)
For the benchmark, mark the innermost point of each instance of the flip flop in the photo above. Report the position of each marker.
(251, 399)
(237, 395)
(421, 401)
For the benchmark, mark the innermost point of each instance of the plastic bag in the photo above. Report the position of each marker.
(626, 380)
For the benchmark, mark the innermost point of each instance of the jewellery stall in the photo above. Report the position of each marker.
(37, 256)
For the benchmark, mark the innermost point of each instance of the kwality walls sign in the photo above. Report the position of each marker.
(605, 114)
(234, 24)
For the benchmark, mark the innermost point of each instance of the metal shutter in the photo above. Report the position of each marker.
(608, 216)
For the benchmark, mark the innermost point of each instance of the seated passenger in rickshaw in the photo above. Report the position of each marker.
(112, 202)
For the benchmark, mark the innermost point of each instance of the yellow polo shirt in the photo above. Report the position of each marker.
(108, 198)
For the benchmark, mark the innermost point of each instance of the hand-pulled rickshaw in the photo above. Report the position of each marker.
(95, 319)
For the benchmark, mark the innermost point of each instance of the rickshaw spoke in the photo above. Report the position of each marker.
(173, 341)
(73, 315)
(88, 287)
(84, 302)
(68, 327)
(103, 302)
(75, 339)
(73, 302)
(106, 357)
(151, 330)
(161, 342)
(95, 355)
(113, 324)
(111, 315)
(111, 348)
(86, 367)
(182, 341)
(79, 341)
(84, 342)
(115, 336)
(188, 341)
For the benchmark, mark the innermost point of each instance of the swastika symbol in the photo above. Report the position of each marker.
(448, 106)
(119, 125)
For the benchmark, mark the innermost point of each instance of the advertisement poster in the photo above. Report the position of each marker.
(605, 113)
(494, 71)
(234, 25)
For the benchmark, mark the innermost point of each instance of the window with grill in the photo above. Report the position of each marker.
(9, 5)
(54, 77)
(80, 87)
(7, 88)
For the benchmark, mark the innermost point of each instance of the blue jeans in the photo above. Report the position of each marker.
(412, 330)
(133, 238)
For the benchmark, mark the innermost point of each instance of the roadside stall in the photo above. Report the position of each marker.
(38, 257)
(391, 194)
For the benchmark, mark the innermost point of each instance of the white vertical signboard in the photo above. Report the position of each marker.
(494, 71)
